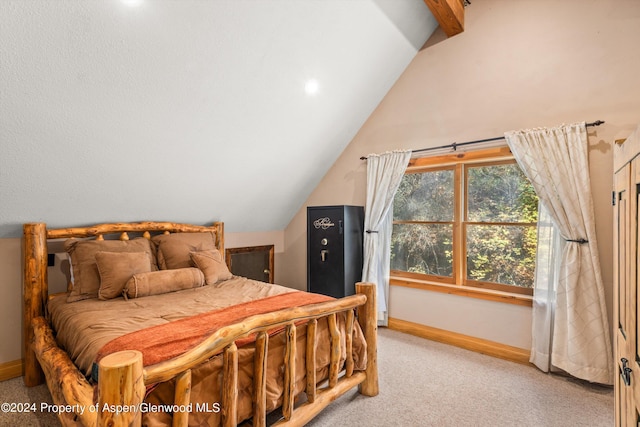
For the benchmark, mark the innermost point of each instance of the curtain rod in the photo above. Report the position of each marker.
(455, 145)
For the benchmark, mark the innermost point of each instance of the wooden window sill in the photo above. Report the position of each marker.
(466, 291)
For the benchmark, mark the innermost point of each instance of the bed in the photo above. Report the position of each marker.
(212, 348)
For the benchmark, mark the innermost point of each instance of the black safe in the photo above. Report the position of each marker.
(334, 249)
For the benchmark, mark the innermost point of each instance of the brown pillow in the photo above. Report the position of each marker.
(163, 281)
(212, 265)
(173, 249)
(116, 268)
(82, 254)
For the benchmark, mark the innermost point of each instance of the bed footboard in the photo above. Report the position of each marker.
(318, 397)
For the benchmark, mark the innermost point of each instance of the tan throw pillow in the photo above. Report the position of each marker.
(163, 281)
(173, 249)
(116, 268)
(82, 254)
(212, 265)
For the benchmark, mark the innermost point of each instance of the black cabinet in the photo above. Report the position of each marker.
(334, 249)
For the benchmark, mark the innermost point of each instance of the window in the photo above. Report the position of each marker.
(466, 219)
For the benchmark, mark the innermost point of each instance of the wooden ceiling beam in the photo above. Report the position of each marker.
(449, 14)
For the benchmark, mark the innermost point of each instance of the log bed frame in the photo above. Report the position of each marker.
(122, 378)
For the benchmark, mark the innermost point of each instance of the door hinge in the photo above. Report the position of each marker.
(613, 198)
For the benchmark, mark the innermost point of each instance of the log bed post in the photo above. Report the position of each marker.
(368, 319)
(35, 294)
(230, 386)
(121, 389)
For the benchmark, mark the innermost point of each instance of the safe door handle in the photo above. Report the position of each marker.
(323, 255)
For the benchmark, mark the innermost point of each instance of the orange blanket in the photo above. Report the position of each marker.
(163, 342)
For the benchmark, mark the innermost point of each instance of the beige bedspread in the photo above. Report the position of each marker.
(84, 327)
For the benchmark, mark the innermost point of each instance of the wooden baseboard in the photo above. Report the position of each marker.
(10, 370)
(479, 345)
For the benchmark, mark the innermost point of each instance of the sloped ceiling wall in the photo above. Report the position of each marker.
(187, 111)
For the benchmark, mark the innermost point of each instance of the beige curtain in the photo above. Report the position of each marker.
(384, 173)
(570, 326)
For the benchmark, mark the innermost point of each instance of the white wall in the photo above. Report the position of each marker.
(187, 111)
(518, 64)
(463, 315)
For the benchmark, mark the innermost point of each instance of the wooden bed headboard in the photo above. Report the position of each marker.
(35, 253)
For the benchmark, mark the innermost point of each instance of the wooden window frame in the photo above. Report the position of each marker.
(458, 283)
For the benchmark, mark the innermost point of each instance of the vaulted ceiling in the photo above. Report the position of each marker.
(191, 111)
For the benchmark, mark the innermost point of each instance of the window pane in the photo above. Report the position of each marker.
(501, 254)
(426, 196)
(500, 193)
(422, 248)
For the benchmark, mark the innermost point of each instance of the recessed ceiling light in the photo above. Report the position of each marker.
(311, 87)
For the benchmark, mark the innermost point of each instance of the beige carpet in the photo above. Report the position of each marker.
(423, 383)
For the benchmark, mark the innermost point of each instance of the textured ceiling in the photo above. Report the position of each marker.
(187, 110)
